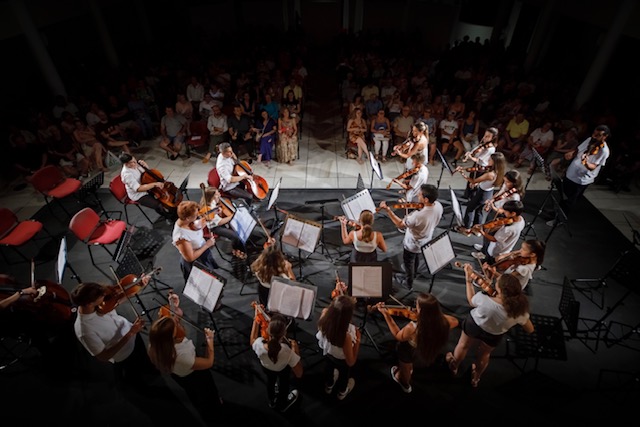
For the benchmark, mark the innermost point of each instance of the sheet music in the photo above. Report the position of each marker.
(438, 252)
(274, 194)
(203, 288)
(354, 205)
(62, 259)
(455, 204)
(243, 222)
(291, 298)
(301, 234)
(366, 281)
(375, 165)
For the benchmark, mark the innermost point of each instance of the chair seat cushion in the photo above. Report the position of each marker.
(22, 233)
(107, 232)
(67, 187)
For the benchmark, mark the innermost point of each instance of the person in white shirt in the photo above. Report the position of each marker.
(418, 175)
(419, 226)
(225, 165)
(503, 237)
(539, 140)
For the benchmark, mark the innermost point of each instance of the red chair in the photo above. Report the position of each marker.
(54, 186)
(15, 233)
(199, 137)
(118, 190)
(89, 228)
(213, 179)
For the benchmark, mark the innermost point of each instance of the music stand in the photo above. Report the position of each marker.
(301, 234)
(90, 187)
(375, 168)
(243, 222)
(322, 242)
(529, 227)
(445, 164)
(129, 264)
(273, 198)
(539, 161)
(182, 189)
(438, 253)
(457, 210)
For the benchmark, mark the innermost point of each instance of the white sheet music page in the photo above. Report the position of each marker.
(292, 231)
(366, 281)
(203, 288)
(354, 205)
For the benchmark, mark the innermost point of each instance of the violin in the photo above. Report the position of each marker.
(499, 197)
(481, 169)
(405, 147)
(403, 206)
(127, 287)
(258, 186)
(487, 227)
(399, 310)
(481, 281)
(168, 195)
(339, 289)
(169, 310)
(224, 207)
(475, 151)
(269, 241)
(350, 223)
(512, 259)
(404, 175)
(263, 320)
(594, 150)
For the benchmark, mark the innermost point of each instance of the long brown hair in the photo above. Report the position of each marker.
(499, 166)
(335, 320)
(270, 263)
(514, 301)
(162, 349)
(277, 330)
(366, 220)
(432, 332)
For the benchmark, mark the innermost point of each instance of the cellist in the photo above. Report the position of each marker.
(225, 165)
(131, 175)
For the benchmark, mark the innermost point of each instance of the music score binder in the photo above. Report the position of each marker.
(354, 205)
(204, 288)
(438, 252)
(291, 298)
(301, 233)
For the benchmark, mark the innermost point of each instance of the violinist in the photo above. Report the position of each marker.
(419, 143)
(419, 226)
(419, 176)
(485, 183)
(481, 155)
(521, 263)
(188, 238)
(587, 161)
(270, 263)
(229, 182)
(365, 241)
(512, 189)
(131, 175)
(171, 352)
(501, 235)
(279, 357)
(219, 225)
(422, 338)
(111, 337)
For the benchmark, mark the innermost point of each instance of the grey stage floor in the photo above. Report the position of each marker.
(593, 376)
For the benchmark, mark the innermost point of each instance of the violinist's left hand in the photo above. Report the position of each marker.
(174, 299)
(29, 291)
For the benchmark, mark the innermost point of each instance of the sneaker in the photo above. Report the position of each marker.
(478, 255)
(477, 246)
(291, 399)
(328, 389)
(394, 370)
(272, 403)
(551, 223)
(350, 386)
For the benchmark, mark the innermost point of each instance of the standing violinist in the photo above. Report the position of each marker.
(365, 241)
(171, 352)
(421, 338)
(131, 175)
(512, 189)
(188, 238)
(229, 182)
(420, 174)
(419, 226)
(586, 162)
(481, 156)
(218, 223)
(419, 143)
(502, 238)
(111, 337)
(520, 263)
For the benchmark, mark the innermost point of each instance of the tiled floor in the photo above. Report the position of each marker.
(322, 164)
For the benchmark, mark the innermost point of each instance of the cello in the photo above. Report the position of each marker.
(257, 186)
(168, 195)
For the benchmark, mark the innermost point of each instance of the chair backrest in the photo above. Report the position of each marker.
(214, 179)
(8, 221)
(199, 127)
(84, 223)
(118, 190)
(47, 178)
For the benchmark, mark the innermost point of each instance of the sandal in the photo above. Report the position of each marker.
(474, 376)
(452, 362)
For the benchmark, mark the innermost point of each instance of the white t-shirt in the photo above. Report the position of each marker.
(131, 179)
(333, 350)
(484, 156)
(525, 272)
(286, 356)
(506, 238)
(578, 173)
(225, 166)
(448, 128)
(195, 237)
(185, 358)
(97, 332)
(417, 179)
(492, 317)
(420, 225)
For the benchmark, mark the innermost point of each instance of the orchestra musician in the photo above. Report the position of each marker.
(488, 321)
(279, 357)
(521, 263)
(365, 241)
(418, 143)
(512, 189)
(339, 339)
(111, 337)
(501, 238)
(419, 226)
(419, 173)
(423, 338)
(229, 182)
(270, 263)
(188, 238)
(481, 155)
(219, 225)
(131, 175)
(171, 352)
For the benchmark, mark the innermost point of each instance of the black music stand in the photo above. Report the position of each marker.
(537, 162)
(569, 309)
(322, 242)
(90, 187)
(182, 189)
(62, 263)
(375, 168)
(445, 164)
(129, 264)
(302, 235)
(529, 226)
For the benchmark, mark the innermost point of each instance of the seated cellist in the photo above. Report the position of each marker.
(229, 182)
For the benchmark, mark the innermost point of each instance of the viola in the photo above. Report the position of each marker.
(257, 186)
(481, 281)
(404, 175)
(403, 206)
(263, 319)
(169, 310)
(168, 195)
(127, 287)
